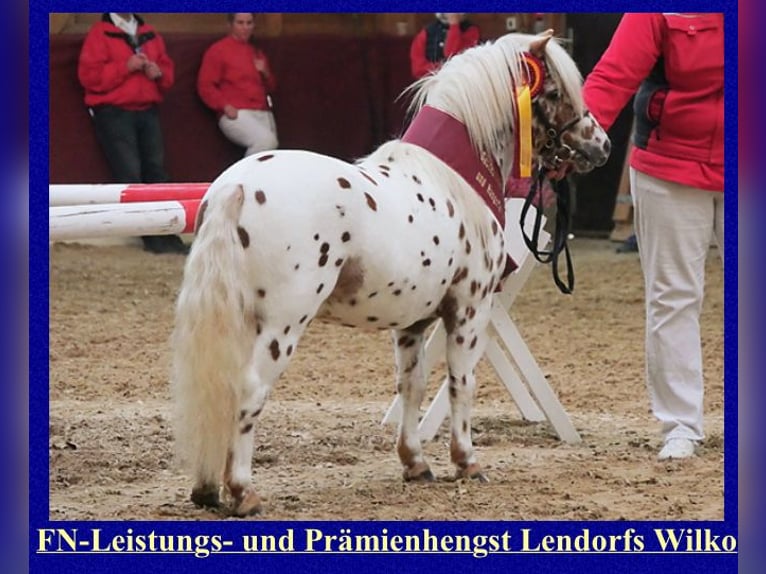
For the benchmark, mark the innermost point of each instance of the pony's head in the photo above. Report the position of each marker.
(479, 86)
(564, 132)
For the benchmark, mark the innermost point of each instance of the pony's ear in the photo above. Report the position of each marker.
(537, 46)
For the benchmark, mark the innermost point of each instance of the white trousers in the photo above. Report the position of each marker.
(674, 225)
(254, 130)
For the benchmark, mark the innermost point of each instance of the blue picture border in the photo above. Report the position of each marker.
(646, 561)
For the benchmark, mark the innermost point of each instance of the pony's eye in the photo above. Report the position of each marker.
(554, 95)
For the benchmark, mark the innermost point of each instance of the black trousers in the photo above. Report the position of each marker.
(132, 143)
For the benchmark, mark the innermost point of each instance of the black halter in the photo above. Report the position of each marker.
(554, 151)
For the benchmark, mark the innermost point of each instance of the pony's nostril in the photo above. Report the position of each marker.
(607, 147)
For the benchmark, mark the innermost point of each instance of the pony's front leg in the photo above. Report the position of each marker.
(410, 384)
(465, 346)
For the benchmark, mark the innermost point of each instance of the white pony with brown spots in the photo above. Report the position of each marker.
(392, 242)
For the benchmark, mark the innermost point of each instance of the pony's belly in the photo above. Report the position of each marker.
(382, 311)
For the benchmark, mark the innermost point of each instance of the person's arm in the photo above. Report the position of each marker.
(457, 41)
(208, 78)
(96, 70)
(165, 64)
(264, 69)
(630, 57)
(419, 64)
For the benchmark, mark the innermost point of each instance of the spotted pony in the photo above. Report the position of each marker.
(406, 236)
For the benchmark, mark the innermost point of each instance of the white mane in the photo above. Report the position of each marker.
(476, 87)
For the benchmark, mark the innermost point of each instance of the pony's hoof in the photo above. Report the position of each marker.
(472, 471)
(418, 473)
(206, 496)
(249, 505)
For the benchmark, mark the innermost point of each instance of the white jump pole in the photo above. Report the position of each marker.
(84, 194)
(122, 219)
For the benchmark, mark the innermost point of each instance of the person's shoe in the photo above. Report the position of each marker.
(630, 245)
(174, 244)
(164, 244)
(676, 448)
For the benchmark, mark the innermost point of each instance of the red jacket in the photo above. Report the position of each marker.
(228, 76)
(103, 70)
(455, 42)
(674, 64)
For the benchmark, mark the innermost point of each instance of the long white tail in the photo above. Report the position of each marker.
(212, 341)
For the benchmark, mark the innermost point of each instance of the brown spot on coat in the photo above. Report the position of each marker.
(274, 348)
(371, 203)
(416, 179)
(447, 311)
(260, 197)
(344, 183)
(261, 293)
(345, 237)
(460, 274)
(372, 181)
(247, 428)
(244, 237)
(450, 208)
(322, 260)
(266, 157)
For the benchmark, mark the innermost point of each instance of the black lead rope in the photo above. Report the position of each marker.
(560, 231)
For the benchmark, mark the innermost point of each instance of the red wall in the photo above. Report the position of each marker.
(336, 96)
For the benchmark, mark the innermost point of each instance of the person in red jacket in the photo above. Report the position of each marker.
(235, 81)
(674, 65)
(125, 71)
(446, 36)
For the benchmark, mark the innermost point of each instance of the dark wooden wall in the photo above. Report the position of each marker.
(343, 114)
(492, 25)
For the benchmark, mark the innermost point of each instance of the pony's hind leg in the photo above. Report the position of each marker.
(238, 472)
(411, 382)
(270, 357)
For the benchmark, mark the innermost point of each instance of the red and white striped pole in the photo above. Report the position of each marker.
(122, 219)
(84, 194)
